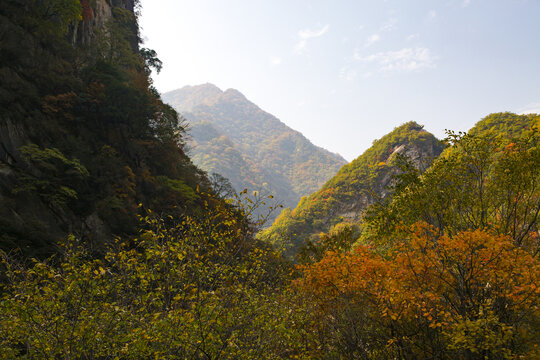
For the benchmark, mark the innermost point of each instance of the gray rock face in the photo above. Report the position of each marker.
(12, 136)
(420, 157)
(24, 217)
(95, 18)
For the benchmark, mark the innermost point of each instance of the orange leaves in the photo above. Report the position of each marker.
(431, 282)
(59, 105)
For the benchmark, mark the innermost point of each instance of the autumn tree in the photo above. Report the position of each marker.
(473, 295)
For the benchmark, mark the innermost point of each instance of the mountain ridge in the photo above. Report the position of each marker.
(358, 184)
(268, 155)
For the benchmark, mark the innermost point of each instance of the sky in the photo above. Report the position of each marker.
(346, 72)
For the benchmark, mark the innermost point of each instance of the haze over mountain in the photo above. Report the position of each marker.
(252, 148)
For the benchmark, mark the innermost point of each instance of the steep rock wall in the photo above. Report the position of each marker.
(25, 220)
(95, 15)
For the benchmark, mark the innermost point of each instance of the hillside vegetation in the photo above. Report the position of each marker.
(233, 137)
(357, 185)
(85, 139)
(447, 267)
(429, 250)
(488, 177)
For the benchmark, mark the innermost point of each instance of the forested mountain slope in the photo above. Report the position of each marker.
(235, 138)
(488, 178)
(84, 137)
(357, 185)
(445, 268)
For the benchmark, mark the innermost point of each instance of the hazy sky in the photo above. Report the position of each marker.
(345, 72)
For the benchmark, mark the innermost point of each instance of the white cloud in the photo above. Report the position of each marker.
(307, 34)
(533, 108)
(466, 3)
(372, 39)
(404, 60)
(275, 60)
(413, 37)
(432, 14)
(389, 25)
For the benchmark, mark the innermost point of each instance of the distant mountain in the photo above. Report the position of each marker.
(252, 148)
(357, 185)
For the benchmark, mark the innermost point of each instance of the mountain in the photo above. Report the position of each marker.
(485, 178)
(253, 149)
(357, 185)
(506, 124)
(85, 141)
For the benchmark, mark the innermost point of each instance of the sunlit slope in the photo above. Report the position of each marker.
(505, 124)
(356, 185)
(485, 179)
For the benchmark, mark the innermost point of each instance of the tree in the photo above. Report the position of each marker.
(185, 288)
(468, 296)
(50, 175)
(222, 186)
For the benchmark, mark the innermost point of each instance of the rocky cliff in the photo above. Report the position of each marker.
(83, 138)
(95, 15)
(357, 185)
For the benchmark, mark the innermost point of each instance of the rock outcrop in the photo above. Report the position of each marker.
(345, 197)
(95, 16)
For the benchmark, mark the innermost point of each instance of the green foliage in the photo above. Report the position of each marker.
(90, 145)
(488, 178)
(54, 175)
(193, 288)
(54, 16)
(92, 102)
(508, 124)
(222, 186)
(177, 186)
(151, 60)
(340, 238)
(355, 186)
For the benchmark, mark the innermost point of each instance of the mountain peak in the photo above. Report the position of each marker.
(232, 136)
(357, 185)
(189, 96)
(233, 94)
(206, 87)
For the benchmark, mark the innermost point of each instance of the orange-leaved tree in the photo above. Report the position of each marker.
(470, 296)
